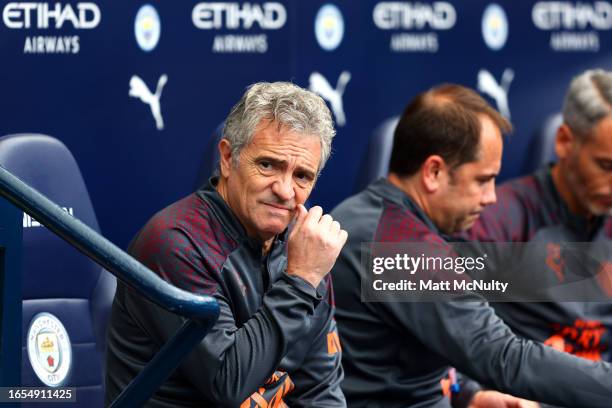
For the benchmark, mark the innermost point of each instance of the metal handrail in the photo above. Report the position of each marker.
(202, 311)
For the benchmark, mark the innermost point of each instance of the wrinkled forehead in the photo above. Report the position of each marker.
(285, 144)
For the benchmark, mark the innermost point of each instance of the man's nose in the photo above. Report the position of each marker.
(283, 188)
(608, 186)
(489, 197)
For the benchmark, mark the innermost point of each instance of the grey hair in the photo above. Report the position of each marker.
(588, 100)
(290, 106)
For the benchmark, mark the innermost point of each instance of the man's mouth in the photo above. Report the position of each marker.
(279, 206)
(604, 201)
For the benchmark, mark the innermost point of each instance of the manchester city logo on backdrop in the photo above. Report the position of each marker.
(329, 27)
(49, 349)
(147, 27)
(494, 27)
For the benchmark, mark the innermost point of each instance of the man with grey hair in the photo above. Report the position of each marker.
(275, 342)
(569, 201)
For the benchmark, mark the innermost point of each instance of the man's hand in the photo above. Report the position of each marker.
(313, 244)
(494, 399)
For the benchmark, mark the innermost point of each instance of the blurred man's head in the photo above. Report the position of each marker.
(583, 174)
(276, 140)
(447, 149)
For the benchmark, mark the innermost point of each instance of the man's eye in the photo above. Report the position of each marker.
(303, 176)
(266, 165)
(605, 165)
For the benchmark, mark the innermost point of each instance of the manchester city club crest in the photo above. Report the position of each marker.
(49, 349)
(494, 27)
(329, 27)
(147, 27)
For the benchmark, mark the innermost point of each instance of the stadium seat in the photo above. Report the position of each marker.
(210, 158)
(542, 148)
(375, 163)
(58, 281)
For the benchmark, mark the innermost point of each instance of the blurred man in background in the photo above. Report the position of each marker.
(446, 154)
(569, 201)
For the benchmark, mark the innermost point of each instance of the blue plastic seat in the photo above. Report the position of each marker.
(375, 163)
(57, 279)
(542, 148)
(210, 158)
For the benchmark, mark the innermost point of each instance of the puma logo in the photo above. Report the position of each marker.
(321, 86)
(499, 92)
(138, 89)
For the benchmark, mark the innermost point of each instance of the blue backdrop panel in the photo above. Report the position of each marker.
(367, 58)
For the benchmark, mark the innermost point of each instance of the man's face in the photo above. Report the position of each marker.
(471, 186)
(275, 172)
(586, 166)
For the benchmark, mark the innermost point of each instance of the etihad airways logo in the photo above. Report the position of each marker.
(44, 16)
(574, 26)
(239, 17)
(438, 15)
(417, 21)
(217, 15)
(566, 15)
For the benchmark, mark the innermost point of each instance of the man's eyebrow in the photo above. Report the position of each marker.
(272, 159)
(282, 162)
(488, 175)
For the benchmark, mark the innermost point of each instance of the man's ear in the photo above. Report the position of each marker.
(432, 172)
(225, 157)
(565, 141)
